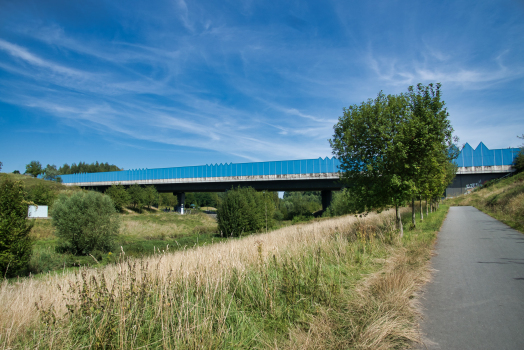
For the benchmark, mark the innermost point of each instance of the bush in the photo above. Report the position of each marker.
(341, 204)
(15, 243)
(42, 195)
(243, 210)
(85, 222)
(519, 161)
(119, 196)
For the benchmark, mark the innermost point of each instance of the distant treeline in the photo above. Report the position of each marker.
(83, 167)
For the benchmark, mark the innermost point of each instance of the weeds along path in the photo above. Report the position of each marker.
(297, 287)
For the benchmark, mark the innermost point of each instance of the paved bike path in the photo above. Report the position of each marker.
(476, 297)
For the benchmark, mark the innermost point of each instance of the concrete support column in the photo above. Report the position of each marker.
(181, 198)
(327, 195)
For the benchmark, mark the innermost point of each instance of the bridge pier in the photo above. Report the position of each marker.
(181, 198)
(327, 196)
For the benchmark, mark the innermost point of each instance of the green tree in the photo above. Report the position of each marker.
(16, 172)
(119, 196)
(51, 173)
(1, 164)
(518, 163)
(394, 148)
(34, 168)
(85, 222)
(190, 199)
(368, 140)
(429, 142)
(167, 199)
(136, 196)
(243, 210)
(15, 242)
(150, 195)
(83, 167)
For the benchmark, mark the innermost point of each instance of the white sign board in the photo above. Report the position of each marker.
(37, 212)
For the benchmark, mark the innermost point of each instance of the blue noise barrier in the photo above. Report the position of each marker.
(468, 157)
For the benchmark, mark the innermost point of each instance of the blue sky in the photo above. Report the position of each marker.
(174, 83)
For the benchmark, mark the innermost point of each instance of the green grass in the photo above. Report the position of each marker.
(150, 233)
(30, 182)
(285, 300)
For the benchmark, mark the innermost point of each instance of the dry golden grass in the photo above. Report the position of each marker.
(208, 263)
(379, 312)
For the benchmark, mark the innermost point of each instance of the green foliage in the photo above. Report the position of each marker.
(42, 195)
(150, 195)
(34, 168)
(341, 204)
(83, 167)
(136, 196)
(302, 204)
(207, 199)
(119, 196)
(243, 210)
(519, 161)
(167, 199)
(51, 173)
(16, 172)
(1, 164)
(395, 147)
(85, 222)
(15, 243)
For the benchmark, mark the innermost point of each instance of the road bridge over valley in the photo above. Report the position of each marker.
(474, 166)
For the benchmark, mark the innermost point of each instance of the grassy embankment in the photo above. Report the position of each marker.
(502, 199)
(140, 234)
(334, 283)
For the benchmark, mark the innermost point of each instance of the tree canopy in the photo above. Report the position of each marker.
(83, 167)
(34, 168)
(395, 147)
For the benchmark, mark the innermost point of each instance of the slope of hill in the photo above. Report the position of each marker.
(30, 182)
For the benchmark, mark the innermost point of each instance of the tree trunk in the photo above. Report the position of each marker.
(427, 209)
(421, 212)
(431, 205)
(399, 221)
(413, 212)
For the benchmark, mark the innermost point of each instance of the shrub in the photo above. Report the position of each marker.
(243, 210)
(15, 243)
(85, 222)
(42, 195)
(119, 196)
(519, 161)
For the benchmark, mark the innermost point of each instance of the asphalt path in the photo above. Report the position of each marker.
(476, 297)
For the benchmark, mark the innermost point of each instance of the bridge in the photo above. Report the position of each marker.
(474, 166)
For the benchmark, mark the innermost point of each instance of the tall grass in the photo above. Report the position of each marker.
(297, 287)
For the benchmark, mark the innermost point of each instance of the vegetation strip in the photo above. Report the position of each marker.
(298, 287)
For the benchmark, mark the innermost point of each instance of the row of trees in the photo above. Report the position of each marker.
(139, 196)
(50, 172)
(396, 148)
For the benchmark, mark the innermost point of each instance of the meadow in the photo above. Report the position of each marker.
(140, 235)
(345, 282)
